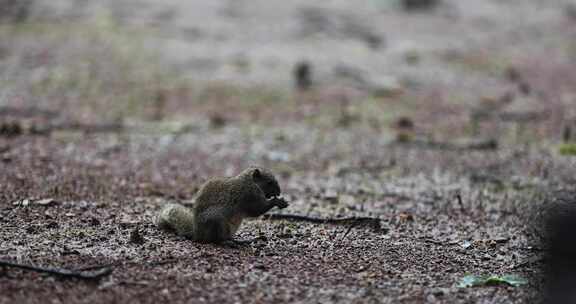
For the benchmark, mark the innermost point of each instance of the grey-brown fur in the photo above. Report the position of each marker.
(221, 205)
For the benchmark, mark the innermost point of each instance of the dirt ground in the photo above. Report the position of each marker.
(428, 239)
(95, 140)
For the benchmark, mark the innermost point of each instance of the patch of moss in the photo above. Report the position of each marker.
(404, 137)
(568, 149)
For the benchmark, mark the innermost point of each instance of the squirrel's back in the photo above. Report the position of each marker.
(221, 204)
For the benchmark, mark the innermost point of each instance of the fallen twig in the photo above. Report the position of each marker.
(79, 274)
(432, 241)
(354, 224)
(372, 222)
(460, 203)
(162, 262)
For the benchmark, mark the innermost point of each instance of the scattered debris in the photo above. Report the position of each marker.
(386, 87)
(21, 203)
(278, 156)
(159, 102)
(404, 217)
(419, 5)
(136, 237)
(10, 129)
(489, 107)
(46, 202)
(478, 281)
(484, 243)
(405, 129)
(536, 259)
(513, 75)
(52, 225)
(567, 134)
(486, 178)
(217, 121)
(405, 123)
(302, 75)
(331, 195)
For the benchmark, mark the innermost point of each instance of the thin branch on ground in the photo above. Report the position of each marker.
(372, 222)
(354, 224)
(79, 274)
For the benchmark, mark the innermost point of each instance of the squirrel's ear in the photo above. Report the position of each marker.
(256, 174)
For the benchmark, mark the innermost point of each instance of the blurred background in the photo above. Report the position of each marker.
(450, 68)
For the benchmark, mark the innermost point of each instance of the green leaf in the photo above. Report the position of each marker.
(474, 281)
(469, 281)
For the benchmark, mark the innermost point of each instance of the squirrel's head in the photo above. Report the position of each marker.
(265, 181)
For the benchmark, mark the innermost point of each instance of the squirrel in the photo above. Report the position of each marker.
(221, 205)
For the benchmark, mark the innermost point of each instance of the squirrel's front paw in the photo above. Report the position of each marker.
(280, 202)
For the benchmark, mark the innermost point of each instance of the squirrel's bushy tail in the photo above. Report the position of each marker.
(176, 218)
